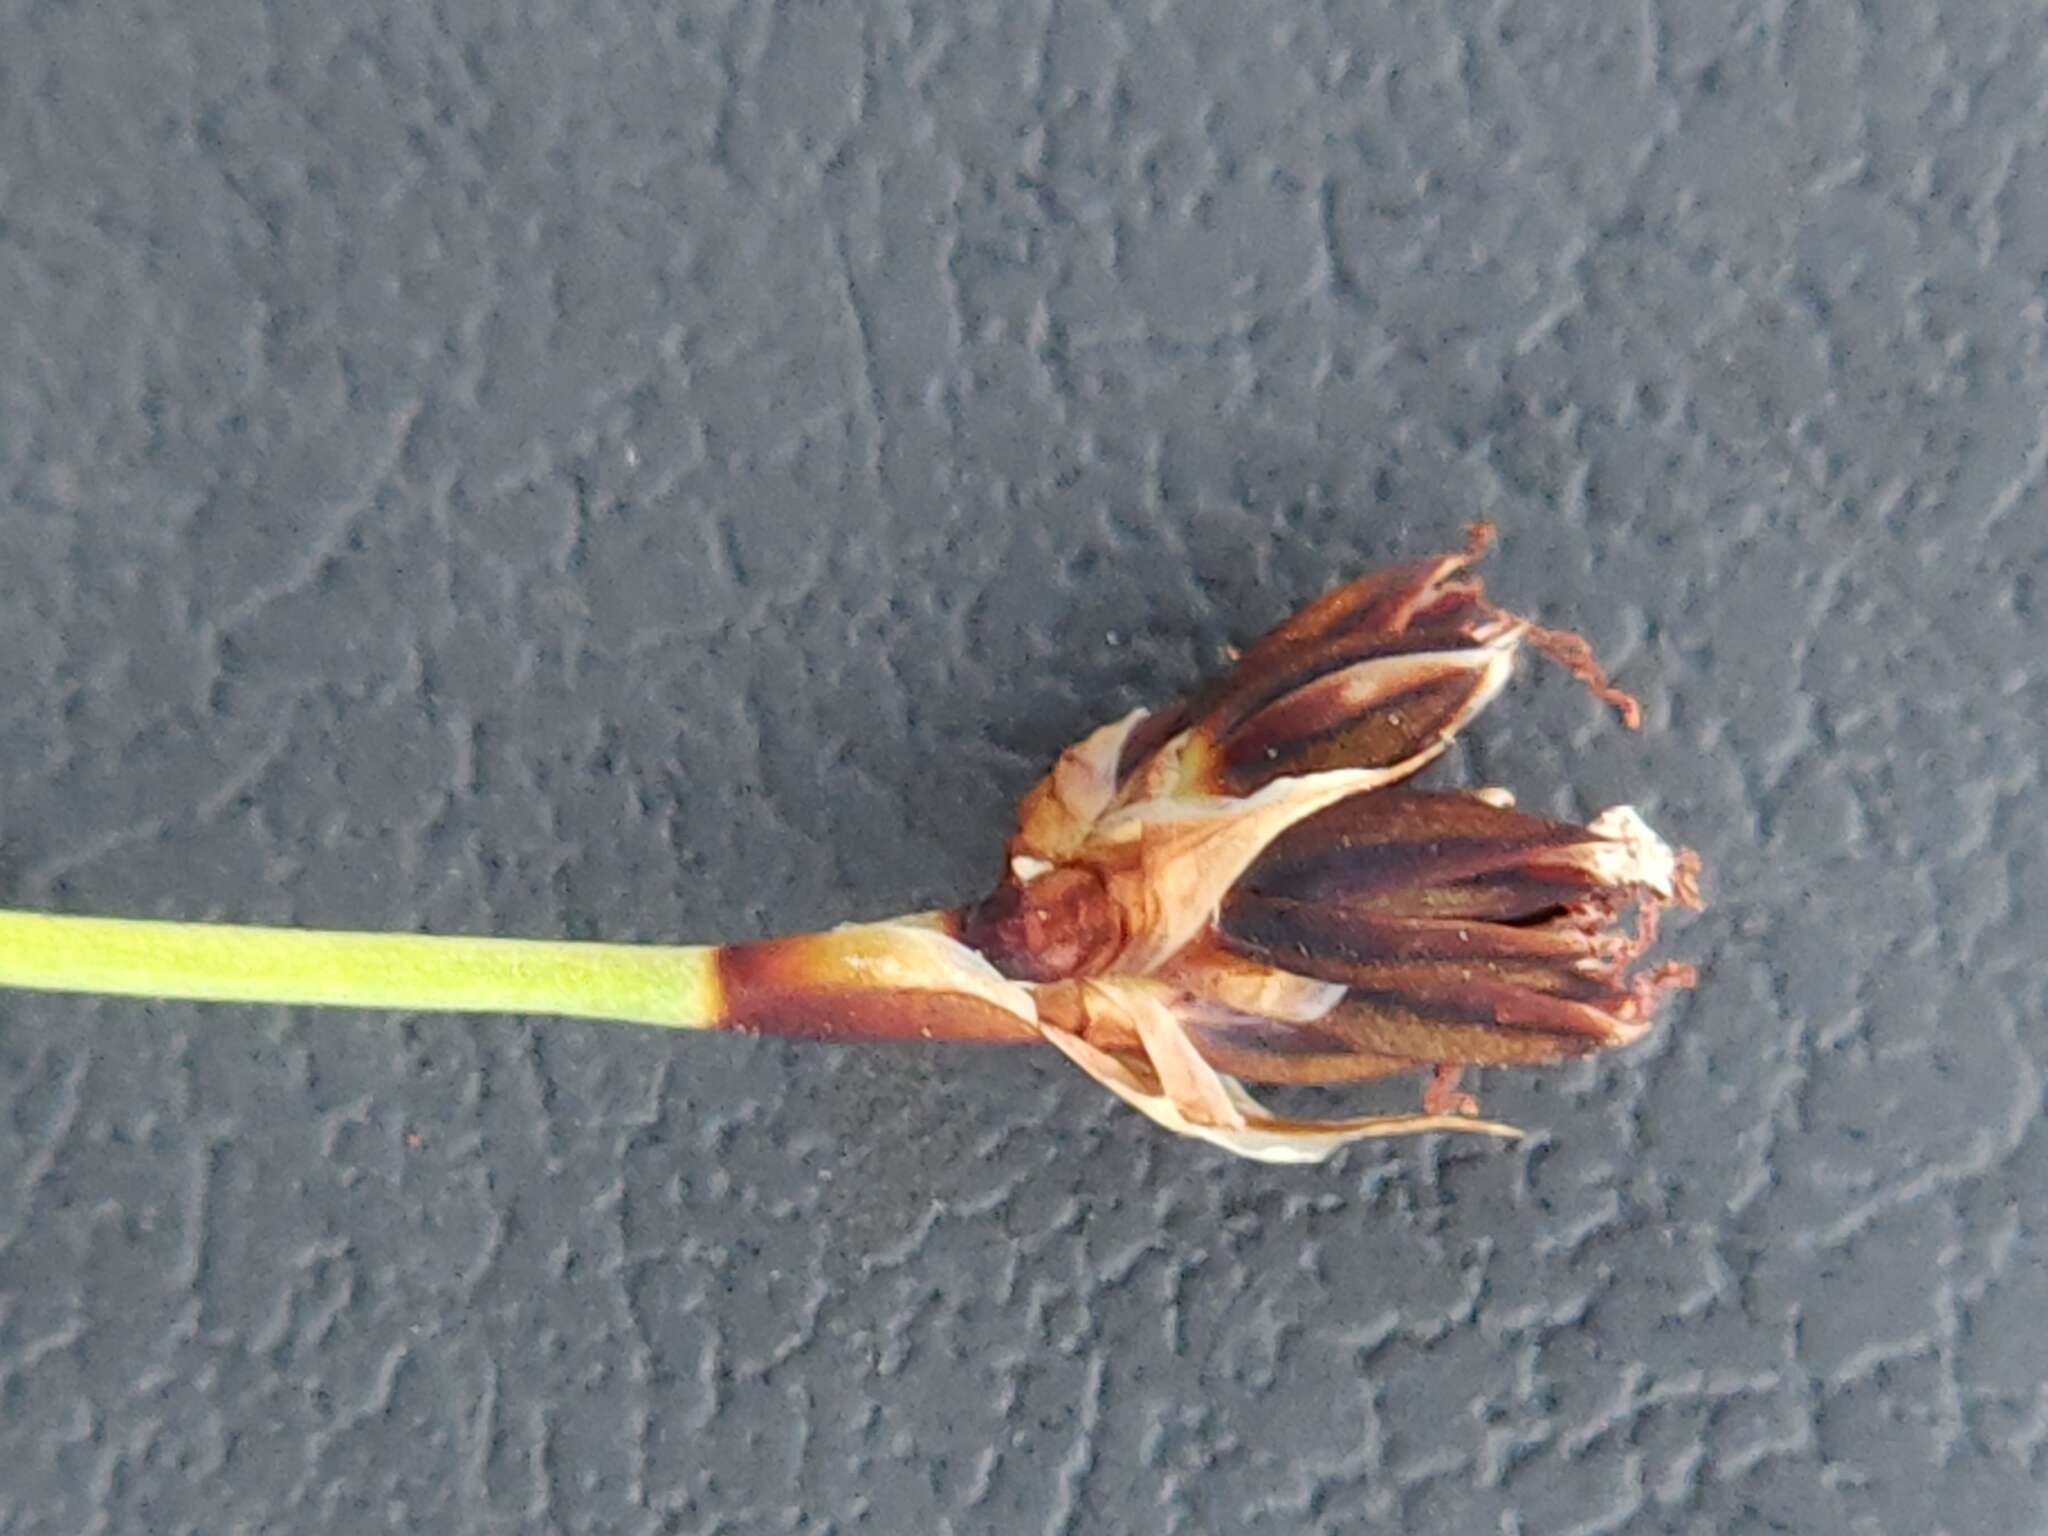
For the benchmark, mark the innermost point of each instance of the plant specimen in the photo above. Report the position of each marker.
(1241, 888)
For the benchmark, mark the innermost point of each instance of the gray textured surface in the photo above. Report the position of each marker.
(556, 469)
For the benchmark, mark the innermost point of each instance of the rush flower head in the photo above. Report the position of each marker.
(1240, 888)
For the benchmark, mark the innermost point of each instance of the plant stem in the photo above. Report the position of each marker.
(673, 986)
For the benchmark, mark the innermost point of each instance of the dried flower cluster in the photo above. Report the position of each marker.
(1240, 889)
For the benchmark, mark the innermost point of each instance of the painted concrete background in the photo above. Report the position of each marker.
(681, 470)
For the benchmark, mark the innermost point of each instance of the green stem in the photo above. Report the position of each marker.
(673, 986)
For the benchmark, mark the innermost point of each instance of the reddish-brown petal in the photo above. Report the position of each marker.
(1252, 686)
(1502, 991)
(1484, 1024)
(1391, 711)
(1392, 852)
(1371, 615)
(1267, 1050)
(1340, 943)
(1386, 601)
